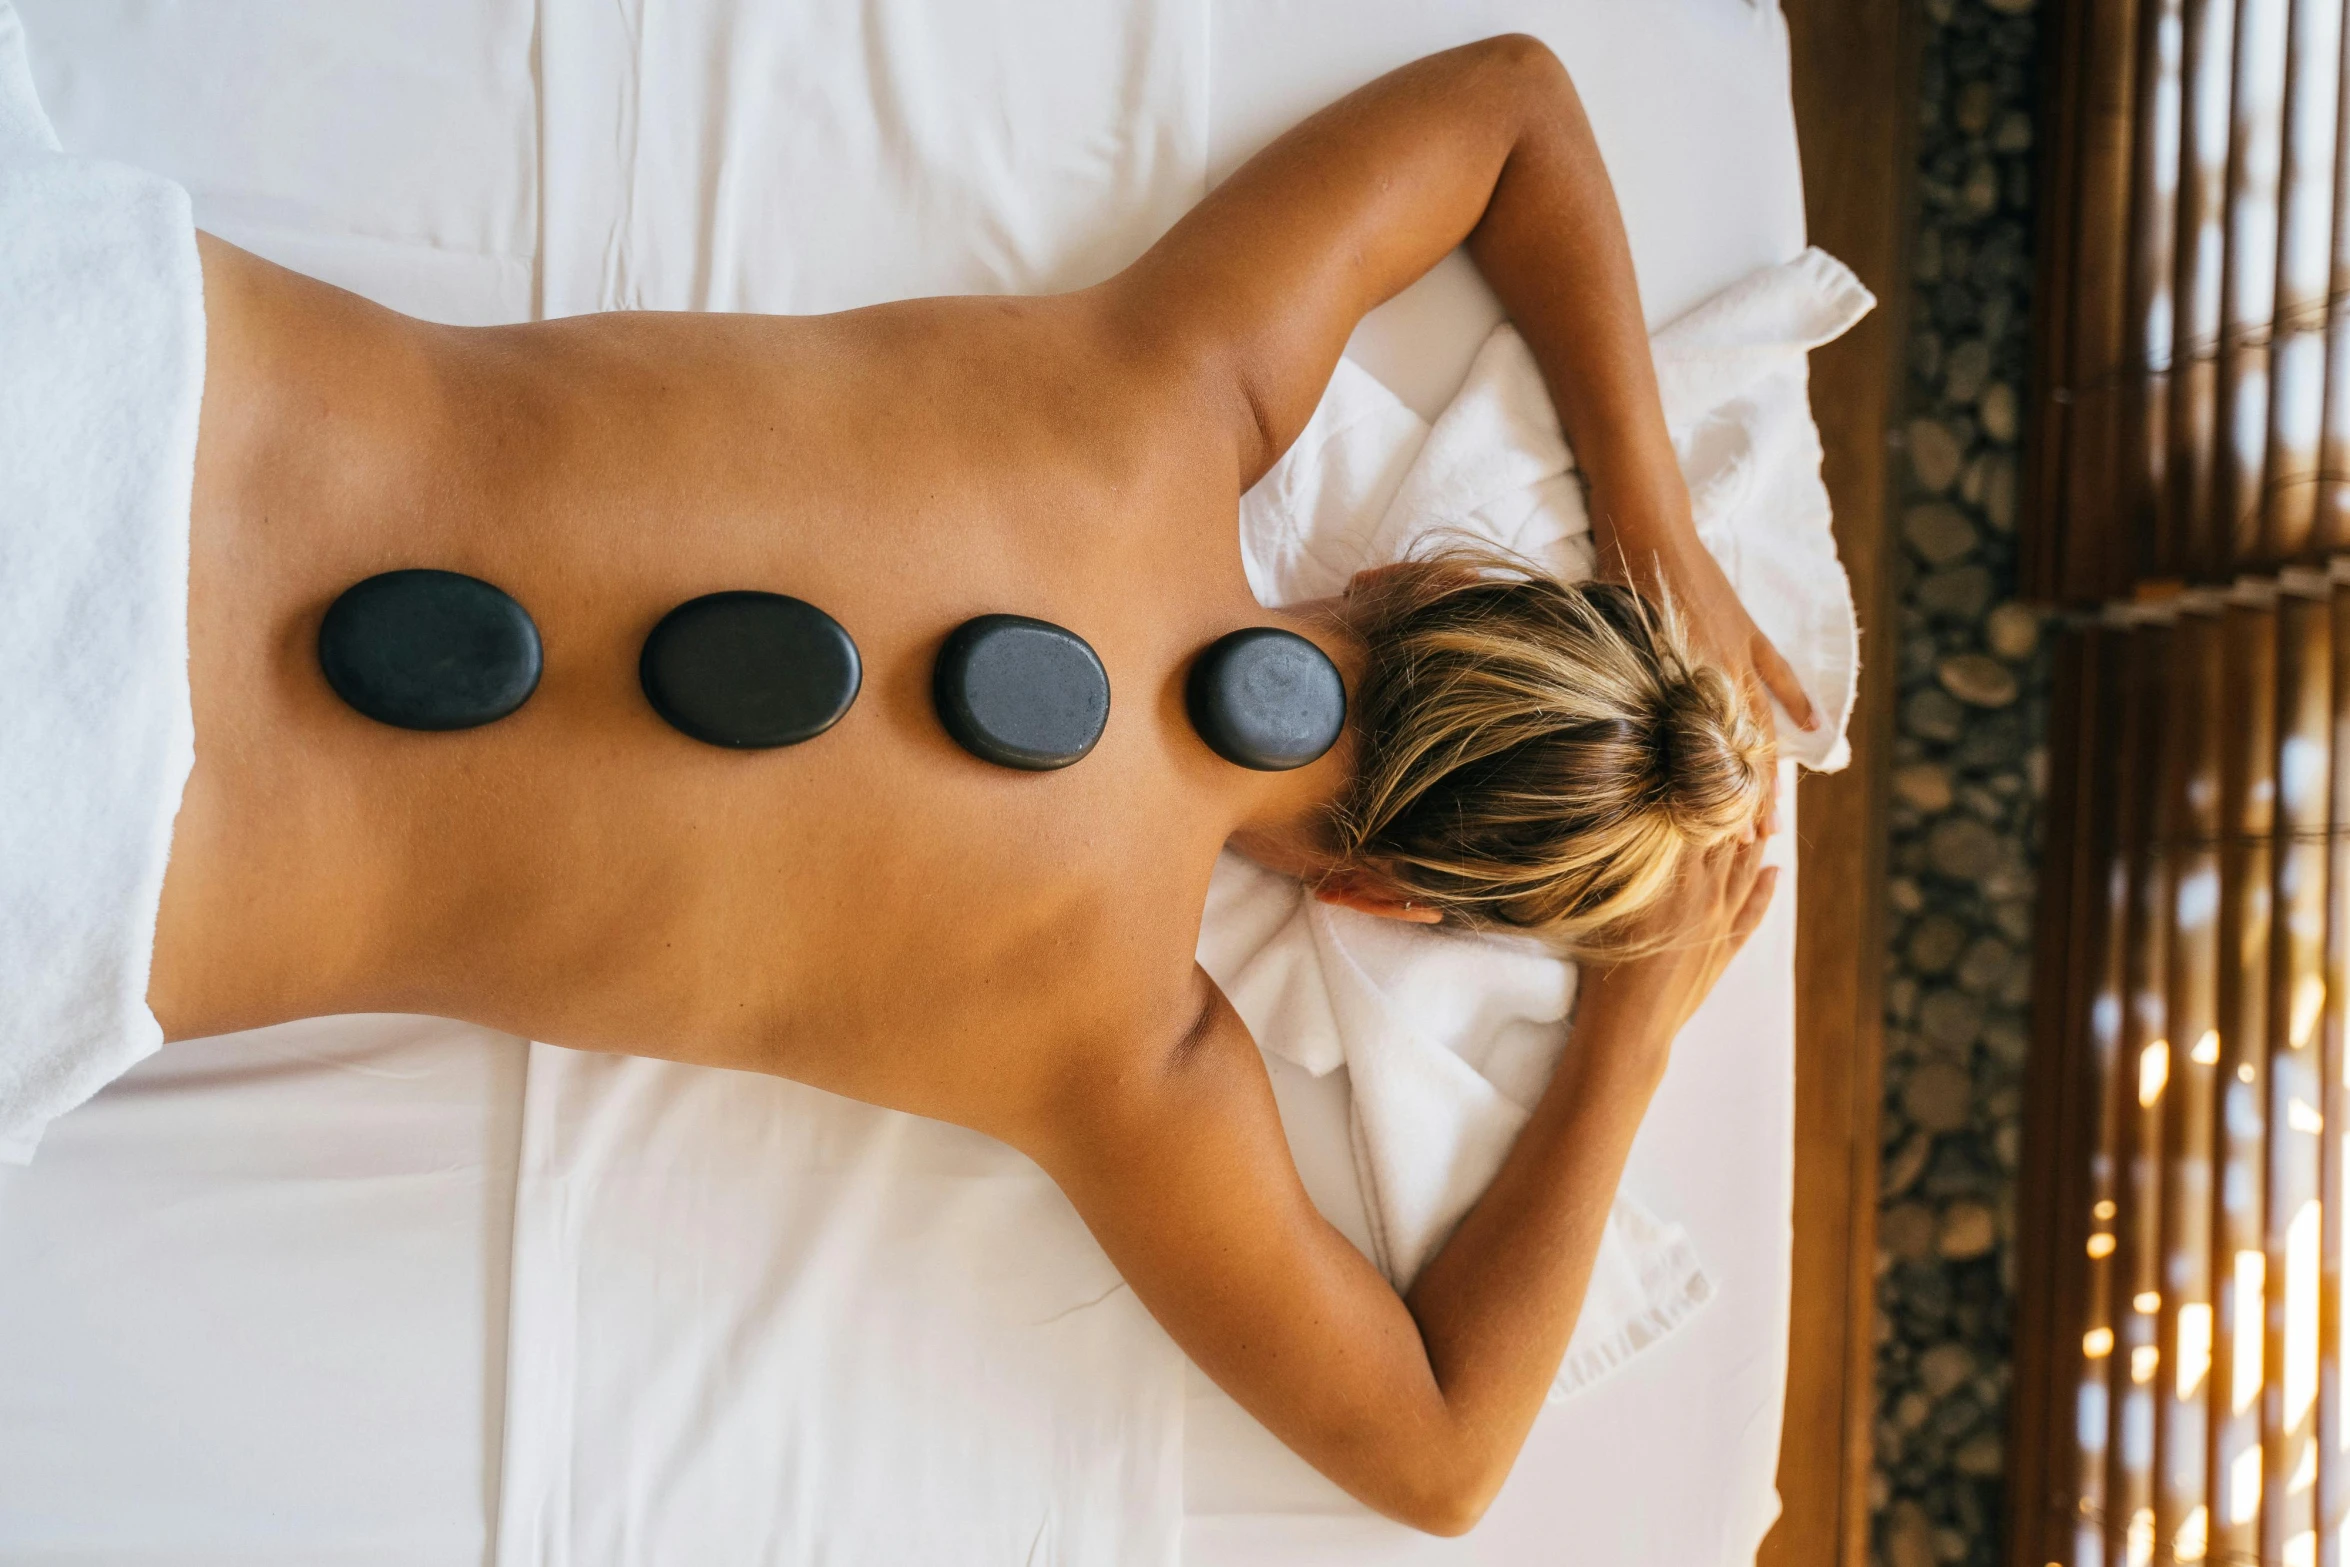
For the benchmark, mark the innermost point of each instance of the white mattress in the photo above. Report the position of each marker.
(253, 1300)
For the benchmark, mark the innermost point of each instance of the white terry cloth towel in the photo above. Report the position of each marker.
(1448, 1037)
(101, 377)
(1367, 478)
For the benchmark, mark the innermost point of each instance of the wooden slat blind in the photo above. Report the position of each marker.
(2333, 1419)
(2304, 275)
(2198, 1037)
(2249, 288)
(2081, 372)
(2155, 269)
(2201, 251)
(2296, 999)
(2191, 415)
(2110, 910)
(2183, 1429)
(2189, 470)
(2137, 1093)
(2331, 526)
(2239, 1256)
(2056, 1447)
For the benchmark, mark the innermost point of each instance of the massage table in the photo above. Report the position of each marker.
(254, 1299)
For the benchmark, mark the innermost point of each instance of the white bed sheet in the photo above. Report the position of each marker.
(390, 148)
(252, 1301)
(253, 1305)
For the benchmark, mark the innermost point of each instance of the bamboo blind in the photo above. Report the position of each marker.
(2196, 970)
(2179, 1393)
(2191, 407)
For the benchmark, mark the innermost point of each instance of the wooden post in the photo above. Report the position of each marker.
(1854, 67)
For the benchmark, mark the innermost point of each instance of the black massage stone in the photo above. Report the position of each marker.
(749, 670)
(1021, 693)
(1266, 699)
(429, 650)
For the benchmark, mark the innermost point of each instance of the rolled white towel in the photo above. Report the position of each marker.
(101, 377)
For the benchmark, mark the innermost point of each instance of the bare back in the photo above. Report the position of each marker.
(876, 912)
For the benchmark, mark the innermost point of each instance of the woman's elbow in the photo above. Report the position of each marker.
(1445, 1500)
(1522, 54)
(1520, 70)
(1450, 1518)
(1450, 1514)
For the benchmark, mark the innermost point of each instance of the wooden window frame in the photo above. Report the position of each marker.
(1854, 65)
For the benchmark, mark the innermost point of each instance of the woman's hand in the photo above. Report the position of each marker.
(1715, 903)
(1671, 560)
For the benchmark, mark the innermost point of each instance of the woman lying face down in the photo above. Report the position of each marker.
(884, 914)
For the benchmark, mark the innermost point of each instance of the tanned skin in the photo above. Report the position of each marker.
(878, 913)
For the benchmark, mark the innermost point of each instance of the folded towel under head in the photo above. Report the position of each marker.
(1449, 1037)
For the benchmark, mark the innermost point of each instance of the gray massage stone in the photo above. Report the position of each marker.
(1266, 698)
(431, 650)
(749, 670)
(1021, 693)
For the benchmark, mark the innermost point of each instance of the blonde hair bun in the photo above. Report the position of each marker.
(1537, 755)
(1711, 778)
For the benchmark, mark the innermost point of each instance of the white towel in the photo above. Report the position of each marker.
(101, 375)
(1448, 1038)
(1367, 477)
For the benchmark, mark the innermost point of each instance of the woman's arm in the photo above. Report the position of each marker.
(1256, 291)
(1417, 1406)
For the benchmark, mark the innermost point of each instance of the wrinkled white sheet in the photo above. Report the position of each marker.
(755, 1323)
(176, 1400)
(716, 155)
(389, 146)
(253, 1305)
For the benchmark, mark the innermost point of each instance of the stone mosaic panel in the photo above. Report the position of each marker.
(1969, 770)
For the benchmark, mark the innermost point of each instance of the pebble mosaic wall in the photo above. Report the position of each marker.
(1968, 772)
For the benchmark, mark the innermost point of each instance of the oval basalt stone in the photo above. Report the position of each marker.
(1266, 698)
(1021, 693)
(749, 671)
(429, 650)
